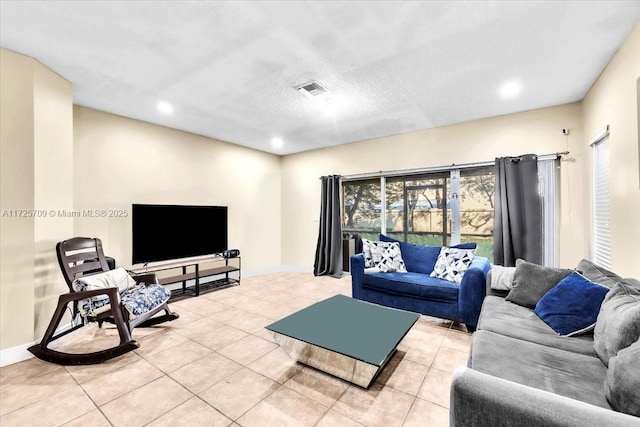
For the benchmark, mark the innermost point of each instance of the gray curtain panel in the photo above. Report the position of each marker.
(329, 248)
(517, 229)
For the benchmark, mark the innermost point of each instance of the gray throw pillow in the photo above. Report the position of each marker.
(622, 386)
(532, 281)
(597, 274)
(618, 324)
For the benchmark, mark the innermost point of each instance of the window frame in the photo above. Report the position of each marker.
(452, 174)
(343, 212)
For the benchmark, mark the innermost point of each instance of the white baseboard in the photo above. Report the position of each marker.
(16, 354)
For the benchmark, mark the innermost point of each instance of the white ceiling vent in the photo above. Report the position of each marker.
(311, 89)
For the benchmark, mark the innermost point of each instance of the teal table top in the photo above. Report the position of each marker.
(358, 329)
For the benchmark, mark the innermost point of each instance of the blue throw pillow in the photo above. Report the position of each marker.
(384, 238)
(572, 306)
(418, 258)
(469, 245)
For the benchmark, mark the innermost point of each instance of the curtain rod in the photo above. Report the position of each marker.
(420, 171)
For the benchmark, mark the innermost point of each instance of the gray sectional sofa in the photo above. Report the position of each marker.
(522, 373)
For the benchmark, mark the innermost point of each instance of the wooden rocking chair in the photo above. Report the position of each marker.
(80, 257)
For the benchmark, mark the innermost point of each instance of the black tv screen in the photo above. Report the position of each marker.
(164, 232)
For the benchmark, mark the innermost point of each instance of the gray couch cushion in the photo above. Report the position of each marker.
(417, 285)
(503, 317)
(622, 386)
(532, 281)
(568, 374)
(618, 324)
(597, 274)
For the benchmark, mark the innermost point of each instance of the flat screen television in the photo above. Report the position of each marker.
(164, 232)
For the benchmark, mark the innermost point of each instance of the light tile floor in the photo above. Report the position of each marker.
(218, 366)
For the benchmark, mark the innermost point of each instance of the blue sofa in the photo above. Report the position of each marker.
(418, 292)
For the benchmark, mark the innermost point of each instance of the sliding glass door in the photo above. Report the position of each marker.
(475, 200)
(362, 208)
(416, 209)
(443, 208)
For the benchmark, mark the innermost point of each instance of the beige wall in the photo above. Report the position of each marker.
(120, 161)
(613, 101)
(16, 191)
(538, 131)
(36, 171)
(53, 187)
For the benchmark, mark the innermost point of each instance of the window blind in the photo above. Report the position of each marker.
(601, 203)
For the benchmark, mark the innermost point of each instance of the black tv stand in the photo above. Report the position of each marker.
(227, 271)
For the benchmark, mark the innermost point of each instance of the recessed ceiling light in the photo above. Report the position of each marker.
(164, 107)
(277, 142)
(510, 89)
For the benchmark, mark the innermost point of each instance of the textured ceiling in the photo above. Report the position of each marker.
(228, 68)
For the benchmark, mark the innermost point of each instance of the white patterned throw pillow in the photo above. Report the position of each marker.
(452, 263)
(387, 257)
(366, 252)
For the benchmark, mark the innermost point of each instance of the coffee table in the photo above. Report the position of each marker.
(344, 337)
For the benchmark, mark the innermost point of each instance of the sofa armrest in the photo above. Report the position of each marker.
(479, 399)
(357, 274)
(488, 283)
(472, 291)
